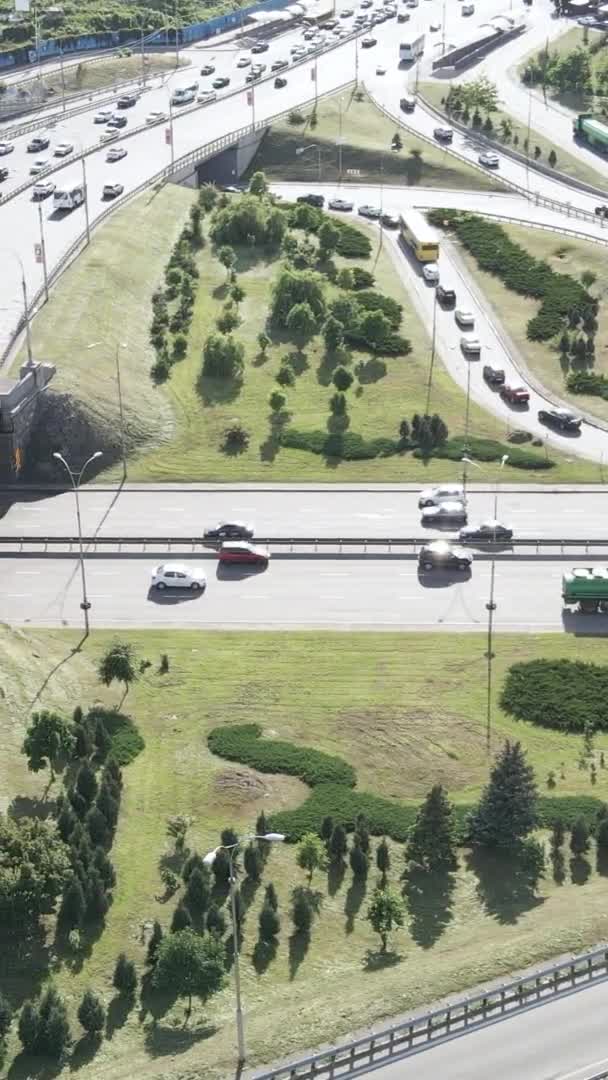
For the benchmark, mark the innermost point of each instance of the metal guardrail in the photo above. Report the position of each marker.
(421, 1031)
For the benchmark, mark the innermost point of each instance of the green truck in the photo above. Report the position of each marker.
(590, 131)
(586, 588)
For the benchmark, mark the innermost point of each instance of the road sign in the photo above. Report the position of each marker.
(168, 139)
(38, 252)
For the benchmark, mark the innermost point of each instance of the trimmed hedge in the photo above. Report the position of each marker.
(488, 450)
(127, 742)
(564, 694)
(352, 244)
(562, 296)
(587, 382)
(347, 445)
(375, 301)
(243, 743)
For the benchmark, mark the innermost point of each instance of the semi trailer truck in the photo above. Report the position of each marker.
(586, 588)
(593, 132)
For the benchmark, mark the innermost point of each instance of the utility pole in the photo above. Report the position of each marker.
(176, 37)
(143, 59)
(86, 197)
(26, 312)
(432, 363)
(121, 415)
(43, 253)
(75, 479)
(62, 79)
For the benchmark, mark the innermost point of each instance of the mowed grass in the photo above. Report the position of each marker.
(566, 163)
(544, 360)
(366, 151)
(575, 38)
(407, 711)
(110, 72)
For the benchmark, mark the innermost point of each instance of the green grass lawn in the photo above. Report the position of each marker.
(175, 431)
(568, 257)
(366, 151)
(407, 711)
(575, 38)
(84, 76)
(566, 163)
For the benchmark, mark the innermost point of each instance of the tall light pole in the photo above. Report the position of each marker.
(432, 361)
(26, 306)
(313, 146)
(209, 859)
(466, 460)
(123, 445)
(75, 480)
(43, 254)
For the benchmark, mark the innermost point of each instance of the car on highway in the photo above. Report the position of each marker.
(109, 135)
(308, 35)
(179, 576)
(102, 116)
(494, 376)
(253, 75)
(118, 121)
(126, 101)
(156, 116)
(63, 149)
(208, 69)
(112, 191)
(115, 153)
(39, 166)
(43, 189)
(562, 419)
(407, 104)
(229, 530)
(389, 221)
(491, 531)
(403, 16)
(206, 96)
(297, 49)
(279, 65)
(38, 143)
(312, 200)
(441, 555)
(443, 134)
(367, 211)
(446, 297)
(3, 173)
(366, 3)
(340, 204)
(280, 82)
(489, 159)
(242, 551)
(380, 70)
(430, 273)
(434, 27)
(470, 345)
(433, 496)
(515, 395)
(243, 62)
(6, 148)
(260, 47)
(464, 318)
(221, 82)
(346, 13)
(446, 511)
(601, 211)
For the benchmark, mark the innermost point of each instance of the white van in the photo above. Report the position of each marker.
(183, 95)
(434, 496)
(69, 196)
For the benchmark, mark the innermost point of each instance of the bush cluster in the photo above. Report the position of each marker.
(181, 282)
(347, 445)
(243, 743)
(563, 694)
(352, 243)
(126, 742)
(587, 382)
(250, 220)
(563, 298)
(489, 450)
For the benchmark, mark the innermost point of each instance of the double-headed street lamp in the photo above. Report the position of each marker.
(313, 146)
(75, 479)
(209, 859)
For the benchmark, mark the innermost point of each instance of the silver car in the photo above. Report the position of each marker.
(446, 511)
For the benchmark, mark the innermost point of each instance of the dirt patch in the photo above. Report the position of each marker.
(249, 792)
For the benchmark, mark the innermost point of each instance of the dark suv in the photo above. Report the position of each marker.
(494, 376)
(562, 419)
(447, 297)
(312, 200)
(441, 555)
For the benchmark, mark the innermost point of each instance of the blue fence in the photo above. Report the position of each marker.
(113, 39)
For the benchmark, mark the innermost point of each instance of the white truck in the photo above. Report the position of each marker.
(69, 195)
(411, 49)
(183, 95)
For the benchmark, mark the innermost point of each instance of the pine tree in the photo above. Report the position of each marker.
(383, 859)
(337, 844)
(359, 862)
(558, 833)
(327, 828)
(86, 783)
(71, 912)
(79, 805)
(193, 862)
(216, 921)
(362, 832)
(102, 740)
(269, 923)
(579, 837)
(229, 838)
(112, 769)
(221, 867)
(83, 743)
(125, 976)
(182, 918)
(602, 834)
(55, 1037)
(91, 1013)
(198, 891)
(239, 908)
(302, 913)
(29, 1026)
(84, 852)
(104, 867)
(108, 806)
(432, 842)
(155, 940)
(261, 825)
(270, 896)
(66, 822)
(96, 898)
(252, 862)
(507, 811)
(97, 827)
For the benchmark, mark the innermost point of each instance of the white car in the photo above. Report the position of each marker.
(489, 159)
(297, 50)
(434, 26)
(156, 116)
(179, 576)
(43, 189)
(115, 153)
(207, 95)
(470, 344)
(6, 148)
(464, 317)
(380, 70)
(430, 273)
(433, 496)
(63, 149)
(109, 134)
(103, 116)
(446, 511)
(243, 62)
(39, 166)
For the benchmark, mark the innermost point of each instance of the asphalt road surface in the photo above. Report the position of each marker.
(303, 513)
(342, 593)
(562, 1040)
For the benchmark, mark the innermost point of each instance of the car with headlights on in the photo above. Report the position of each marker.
(442, 555)
(445, 512)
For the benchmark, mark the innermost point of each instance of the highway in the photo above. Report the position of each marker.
(325, 512)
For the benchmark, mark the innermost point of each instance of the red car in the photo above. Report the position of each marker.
(242, 551)
(515, 395)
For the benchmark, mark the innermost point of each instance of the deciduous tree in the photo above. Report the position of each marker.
(311, 854)
(49, 737)
(385, 913)
(190, 965)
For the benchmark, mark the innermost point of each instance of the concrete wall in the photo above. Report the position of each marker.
(19, 400)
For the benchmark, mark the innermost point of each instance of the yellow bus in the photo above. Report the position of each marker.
(419, 236)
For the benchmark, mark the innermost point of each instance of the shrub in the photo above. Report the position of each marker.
(235, 438)
(285, 376)
(352, 243)
(295, 288)
(348, 445)
(242, 743)
(277, 401)
(296, 117)
(587, 382)
(375, 301)
(228, 319)
(361, 279)
(223, 357)
(488, 450)
(125, 740)
(342, 379)
(565, 694)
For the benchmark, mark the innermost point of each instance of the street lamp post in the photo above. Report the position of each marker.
(75, 479)
(123, 445)
(43, 254)
(313, 146)
(209, 860)
(432, 362)
(26, 306)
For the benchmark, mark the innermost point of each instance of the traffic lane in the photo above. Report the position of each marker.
(563, 1039)
(321, 513)
(295, 591)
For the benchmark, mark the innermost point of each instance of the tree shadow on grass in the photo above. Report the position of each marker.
(374, 960)
(84, 1051)
(74, 959)
(601, 864)
(559, 866)
(580, 870)
(217, 391)
(162, 1039)
(118, 1012)
(270, 447)
(335, 876)
(264, 952)
(25, 959)
(23, 806)
(28, 1067)
(297, 361)
(370, 371)
(221, 291)
(504, 885)
(153, 1003)
(298, 947)
(329, 363)
(353, 900)
(429, 899)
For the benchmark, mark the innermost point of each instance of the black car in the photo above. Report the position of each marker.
(280, 83)
(312, 200)
(389, 221)
(220, 82)
(441, 555)
(260, 46)
(494, 376)
(3, 174)
(126, 101)
(601, 211)
(447, 297)
(208, 69)
(117, 122)
(562, 419)
(407, 104)
(487, 532)
(229, 530)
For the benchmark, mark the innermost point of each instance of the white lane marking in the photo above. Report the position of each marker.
(173, 509)
(103, 573)
(254, 596)
(330, 596)
(25, 525)
(18, 595)
(28, 573)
